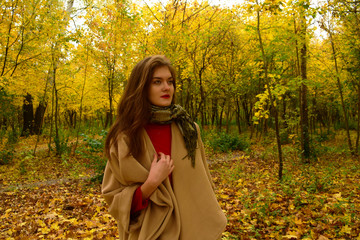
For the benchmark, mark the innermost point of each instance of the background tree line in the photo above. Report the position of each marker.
(291, 66)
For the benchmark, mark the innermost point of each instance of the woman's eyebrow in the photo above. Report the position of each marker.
(162, 78)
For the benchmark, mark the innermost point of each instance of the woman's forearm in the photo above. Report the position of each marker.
(148, 188)
(160, 170)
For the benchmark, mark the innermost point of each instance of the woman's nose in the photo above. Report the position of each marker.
(166, 86)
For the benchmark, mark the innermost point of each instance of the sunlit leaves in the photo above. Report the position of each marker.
(214, 49)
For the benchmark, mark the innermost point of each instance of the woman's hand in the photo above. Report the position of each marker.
(160, 169)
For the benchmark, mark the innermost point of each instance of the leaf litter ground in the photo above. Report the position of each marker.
(320, 200)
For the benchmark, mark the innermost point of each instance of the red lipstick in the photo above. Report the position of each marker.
(165, 96)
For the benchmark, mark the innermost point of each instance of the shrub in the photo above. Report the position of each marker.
(341, 125)
(223, 142)
(324, 136)
(61, 142)
(93, 151)
(284, 136)
(22, 167)
(13, 137)
(7, 154)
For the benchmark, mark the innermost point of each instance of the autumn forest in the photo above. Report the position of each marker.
(274, 86)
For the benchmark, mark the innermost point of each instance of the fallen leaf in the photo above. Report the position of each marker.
(321, 237)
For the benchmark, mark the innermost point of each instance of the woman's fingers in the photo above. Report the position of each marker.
(165, 161)
(171, 162)
(160, 169)
(167, 158)
(161, 155)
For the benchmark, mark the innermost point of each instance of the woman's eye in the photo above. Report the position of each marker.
(157, 82)
(171, 82)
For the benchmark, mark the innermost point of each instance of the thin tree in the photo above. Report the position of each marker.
(81, 98)
(304, 119)
(55, 59)
(271, 98)
(42, 108)
(329, 30)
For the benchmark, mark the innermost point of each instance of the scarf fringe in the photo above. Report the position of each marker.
(174, 112)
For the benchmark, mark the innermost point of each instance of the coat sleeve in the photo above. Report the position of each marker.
(120, 183)
(202, 150)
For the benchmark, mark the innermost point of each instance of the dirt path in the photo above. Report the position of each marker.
(14, 187)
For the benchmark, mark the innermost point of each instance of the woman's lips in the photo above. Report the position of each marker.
(165, 96)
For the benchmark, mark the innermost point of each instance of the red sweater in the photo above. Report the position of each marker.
(160, 136)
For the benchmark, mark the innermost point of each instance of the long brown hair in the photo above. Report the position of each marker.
(133, 111)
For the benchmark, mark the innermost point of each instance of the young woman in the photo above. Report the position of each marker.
(157, 182)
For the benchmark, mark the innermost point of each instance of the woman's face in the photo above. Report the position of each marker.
(161, 89)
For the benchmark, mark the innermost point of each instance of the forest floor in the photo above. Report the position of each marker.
(46, 197)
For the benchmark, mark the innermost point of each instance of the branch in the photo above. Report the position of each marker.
(153, 13)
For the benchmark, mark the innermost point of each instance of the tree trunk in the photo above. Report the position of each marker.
(8, 45)
(57, 137)
(55, 60)
(285, 122)
(214, 115)
(28, 116)
(238, 115)
(109, 113)
(202, 96)
(40, 113)
(228, 115)
(221, 116)
(39, 117)
(304, 119)
(247, 110)
(108, 119)
(81, 102)
(70, 117)
(341, 92)
(277, 130)
(52, 116)
(358, 122)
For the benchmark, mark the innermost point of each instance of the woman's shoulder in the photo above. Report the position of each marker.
(121, 141)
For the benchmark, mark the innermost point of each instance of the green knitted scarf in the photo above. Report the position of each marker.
(174, 112)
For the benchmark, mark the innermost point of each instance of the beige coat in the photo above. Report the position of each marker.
(187, 210)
